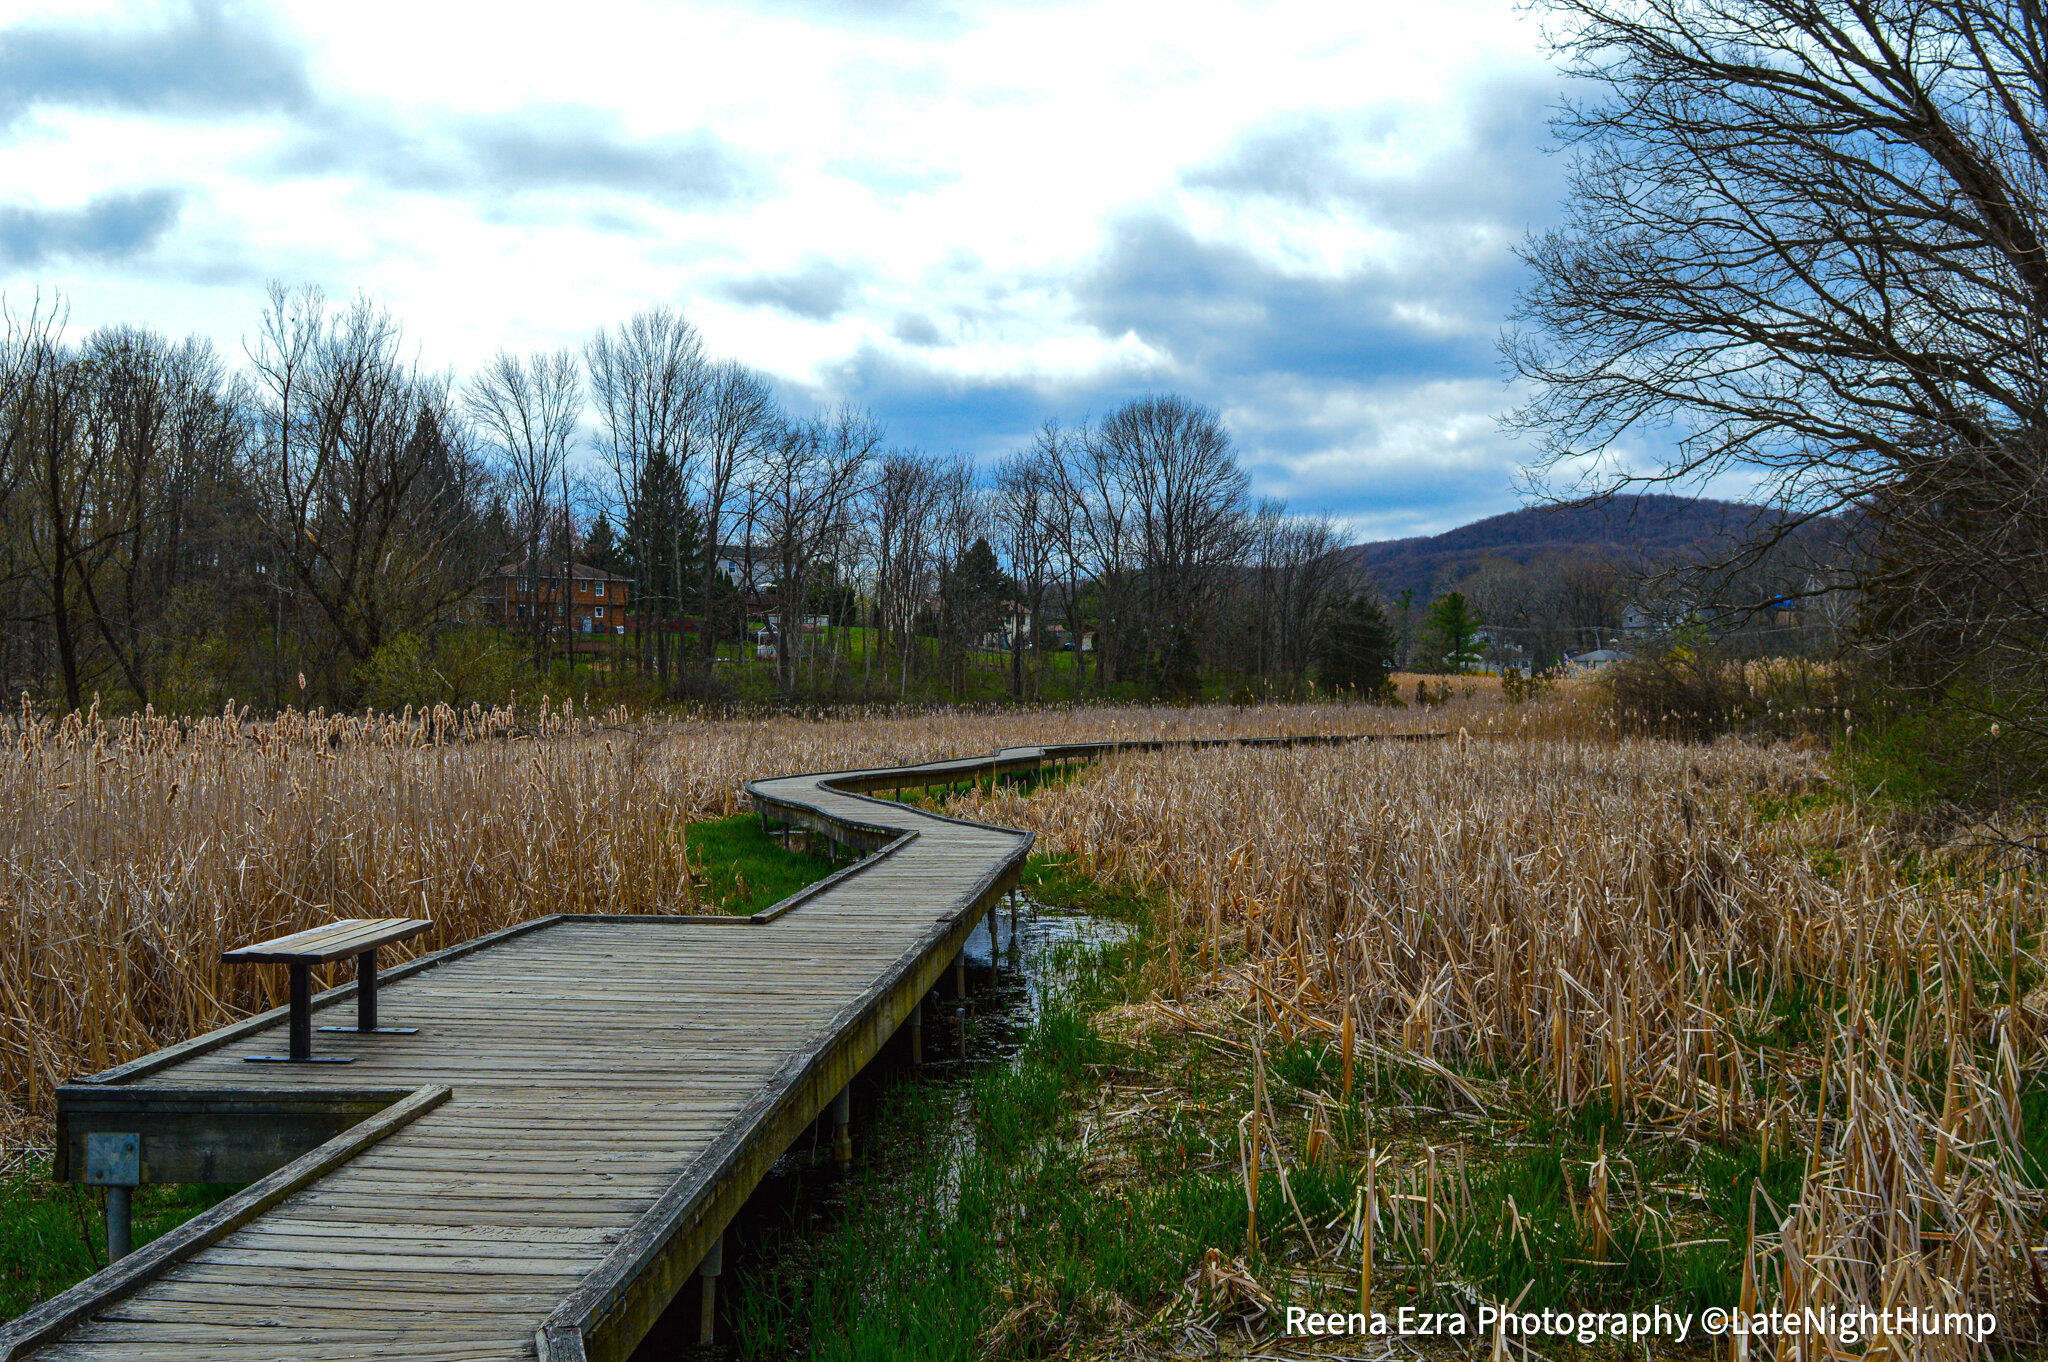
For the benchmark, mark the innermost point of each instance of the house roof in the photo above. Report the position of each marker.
(581, 572)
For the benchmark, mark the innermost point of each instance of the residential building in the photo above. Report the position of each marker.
(593, 601)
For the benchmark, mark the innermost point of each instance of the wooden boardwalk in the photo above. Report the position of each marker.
(540, 1170)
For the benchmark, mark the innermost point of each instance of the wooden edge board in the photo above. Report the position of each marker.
(47, 1322)
(811, 891)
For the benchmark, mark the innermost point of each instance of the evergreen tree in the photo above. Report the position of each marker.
(600, 549)
(1355, 649)
(1450, 633)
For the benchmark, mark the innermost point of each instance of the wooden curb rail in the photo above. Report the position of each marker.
(49, 1321)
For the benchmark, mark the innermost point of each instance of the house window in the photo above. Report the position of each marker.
(600, 588)
(600, 612)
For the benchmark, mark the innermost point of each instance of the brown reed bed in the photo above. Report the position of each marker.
(1707, 946)
(134, 849)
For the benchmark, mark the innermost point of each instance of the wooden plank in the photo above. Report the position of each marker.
(329, 942)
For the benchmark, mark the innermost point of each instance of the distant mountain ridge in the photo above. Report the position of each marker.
(1626, 527)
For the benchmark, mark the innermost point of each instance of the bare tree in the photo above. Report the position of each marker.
(803, 489)
(62, 533)
(362, 474)
(30, 345)
(1299, 576)
(527, 410)
(960, 519)
(1107, 545)
(1810, 234)
(651, 381)
(901, 510)
(1025, 515)
(158, 444)
(1187, 503)
(736, 421)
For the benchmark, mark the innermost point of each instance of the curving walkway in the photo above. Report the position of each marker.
(588, 1102)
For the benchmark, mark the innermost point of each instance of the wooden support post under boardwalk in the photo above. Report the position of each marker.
(842, 1126)
(917, 1034)
(707, 1274)
(995, 952)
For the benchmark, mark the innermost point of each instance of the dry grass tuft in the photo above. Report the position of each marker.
(1702, 939)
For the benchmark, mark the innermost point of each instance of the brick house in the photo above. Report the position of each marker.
(594, 603)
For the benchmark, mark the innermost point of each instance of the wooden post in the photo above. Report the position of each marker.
(707, 1274)
(842, 1126)
(917, 1034)
(960, 974)
(995, 951)
(119, 1223)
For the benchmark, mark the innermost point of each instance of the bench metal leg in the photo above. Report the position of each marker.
(366, 1003)
(302, 1012)
(301, 1026)
(366, 991)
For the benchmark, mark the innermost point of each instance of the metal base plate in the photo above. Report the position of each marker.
(373, 1031)
(311, 1059)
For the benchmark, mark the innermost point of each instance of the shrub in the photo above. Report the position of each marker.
(459, 668)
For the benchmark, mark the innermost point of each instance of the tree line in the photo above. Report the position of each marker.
(329, 522)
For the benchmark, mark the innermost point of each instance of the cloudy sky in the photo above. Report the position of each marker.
(968, 216)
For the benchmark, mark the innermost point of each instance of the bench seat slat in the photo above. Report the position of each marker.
(330, 941)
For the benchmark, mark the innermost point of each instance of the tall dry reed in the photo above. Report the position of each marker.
(1634, 924)
(134, 850)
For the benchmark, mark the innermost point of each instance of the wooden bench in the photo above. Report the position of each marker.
(357, 936)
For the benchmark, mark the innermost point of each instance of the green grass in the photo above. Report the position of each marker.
(748, 868)
(975, 1225)
(988, 1228)
(53, 1235)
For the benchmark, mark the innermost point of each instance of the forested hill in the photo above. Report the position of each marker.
(1625, 526)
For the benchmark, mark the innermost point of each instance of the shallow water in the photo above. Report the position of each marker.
(1006, 989)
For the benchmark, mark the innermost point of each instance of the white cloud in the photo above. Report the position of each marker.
(919, 205)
